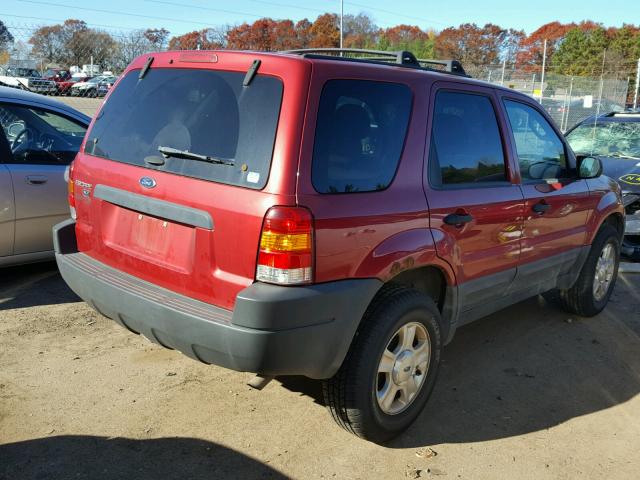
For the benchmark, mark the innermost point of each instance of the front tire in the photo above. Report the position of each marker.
(593, 288)
(391, 368)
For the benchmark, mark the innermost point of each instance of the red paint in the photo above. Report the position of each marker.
(357, 235)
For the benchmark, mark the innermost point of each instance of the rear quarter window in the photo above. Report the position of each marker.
(360, 133)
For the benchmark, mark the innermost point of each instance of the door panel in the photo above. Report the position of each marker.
(7, 212)
(470, 180)
(39, 145)
(557, 203)
(41, 202)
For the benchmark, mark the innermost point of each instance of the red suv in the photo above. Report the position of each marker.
(309, 214)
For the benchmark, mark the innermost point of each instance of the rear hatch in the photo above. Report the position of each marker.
(183, 161)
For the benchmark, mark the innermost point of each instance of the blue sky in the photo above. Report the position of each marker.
(180, 16)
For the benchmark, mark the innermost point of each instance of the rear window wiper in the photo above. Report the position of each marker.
(174, 152)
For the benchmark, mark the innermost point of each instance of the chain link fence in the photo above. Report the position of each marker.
(76, 61)
(567, 99)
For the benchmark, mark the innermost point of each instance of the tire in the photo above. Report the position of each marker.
(581, 299)
(352, 394)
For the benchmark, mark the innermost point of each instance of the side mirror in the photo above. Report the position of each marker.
(589, 167)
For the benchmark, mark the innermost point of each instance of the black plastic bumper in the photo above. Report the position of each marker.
(272, 331)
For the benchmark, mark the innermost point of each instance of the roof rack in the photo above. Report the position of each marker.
(401, 58)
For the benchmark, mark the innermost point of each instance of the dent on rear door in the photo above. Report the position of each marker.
(7, 212)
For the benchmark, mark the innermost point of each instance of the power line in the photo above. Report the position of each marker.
(396, 14)
(61, 21)
(98, 10)
(209, 9)
(288, 5)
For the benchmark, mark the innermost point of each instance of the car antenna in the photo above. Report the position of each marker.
(251, 73)
(145, 69)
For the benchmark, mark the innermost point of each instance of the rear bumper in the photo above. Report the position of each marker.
(272, 331)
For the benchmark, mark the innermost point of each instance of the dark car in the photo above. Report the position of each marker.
(39, 138)
(105, 85)
(615, 139)
(304, 213)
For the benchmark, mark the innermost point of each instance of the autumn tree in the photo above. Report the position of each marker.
(325, 31)
(303, 33)
(73, 43)
(206, 39)
(474, 45)
(408, 37)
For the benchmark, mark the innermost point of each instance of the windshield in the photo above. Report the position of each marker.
(606, 139)
(204, 112)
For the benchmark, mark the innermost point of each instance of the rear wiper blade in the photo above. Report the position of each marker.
(174, 152)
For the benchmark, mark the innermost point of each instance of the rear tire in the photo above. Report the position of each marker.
(391, 368)
(600, 268)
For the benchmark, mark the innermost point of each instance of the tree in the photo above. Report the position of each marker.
(6, 39)
(303, 33)
(325, 31)
(408, 37)
(207, 39)
(359, 31)
(581, 52)
(73, 43)
(472, 44)
(157, 37)
(48, 43)
(531, 47)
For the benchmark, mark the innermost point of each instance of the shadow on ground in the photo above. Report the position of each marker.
(33, 285)
(525, 369)
(101, 458)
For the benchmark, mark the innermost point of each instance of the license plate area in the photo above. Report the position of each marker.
(145, 237)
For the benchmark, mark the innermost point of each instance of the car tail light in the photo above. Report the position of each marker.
(286, 246)
(71, 190)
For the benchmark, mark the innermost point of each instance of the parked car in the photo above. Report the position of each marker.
(105, 85)
(27, 79)
(39, 138)
(89, 86)
(615, 139)
(62, 78)
(306, 214)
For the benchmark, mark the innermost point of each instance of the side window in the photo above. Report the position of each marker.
(360, 134)
(541, 153)
(40, 137)
(466, 146)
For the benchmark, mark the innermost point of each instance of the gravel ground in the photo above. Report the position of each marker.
(88, 106)
(527, 393)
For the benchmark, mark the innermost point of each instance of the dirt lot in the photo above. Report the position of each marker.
(528, 393)
(88, 106)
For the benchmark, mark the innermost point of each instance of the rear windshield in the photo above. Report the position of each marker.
(204, 112)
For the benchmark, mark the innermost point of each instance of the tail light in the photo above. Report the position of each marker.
(286, 247)
(70, 189)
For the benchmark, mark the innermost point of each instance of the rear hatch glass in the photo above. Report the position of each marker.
(230, 128)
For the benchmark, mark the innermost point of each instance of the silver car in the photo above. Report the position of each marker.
(39, 139)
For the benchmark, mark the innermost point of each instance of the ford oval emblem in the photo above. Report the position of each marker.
(147, 182)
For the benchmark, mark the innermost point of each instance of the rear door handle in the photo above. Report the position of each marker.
(457, 219)
(36, 179)
(541, 207)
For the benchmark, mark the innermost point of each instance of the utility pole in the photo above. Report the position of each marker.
(544, 65)
(341, 15)
(635, 96)
(504, 66)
